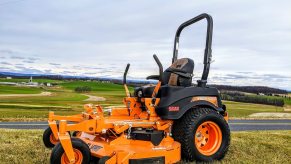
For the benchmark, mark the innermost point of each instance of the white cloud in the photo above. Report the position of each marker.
(249, 36)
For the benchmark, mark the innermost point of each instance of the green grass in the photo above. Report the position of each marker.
(238, 109)
(95, 86)
(6, 89)
(287, 101)
(260, 147)
(22, 146)
(29, 115)
(65, 101)
(113, 93)
(62, 102)
(25, 146)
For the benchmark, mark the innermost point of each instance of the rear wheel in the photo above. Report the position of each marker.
(81, 152)
(203, 133)
(94, 160)
(76, 134)
(103, 160)
(48, 138)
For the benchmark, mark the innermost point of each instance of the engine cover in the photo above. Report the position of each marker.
(155, 136)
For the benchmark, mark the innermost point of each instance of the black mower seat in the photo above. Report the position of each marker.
(178, 74)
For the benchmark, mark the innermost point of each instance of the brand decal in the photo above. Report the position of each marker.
(174, 108)
(211, 99)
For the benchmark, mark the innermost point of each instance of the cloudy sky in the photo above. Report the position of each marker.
(251, 41)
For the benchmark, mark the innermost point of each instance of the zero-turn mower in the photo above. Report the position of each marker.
(164, 123)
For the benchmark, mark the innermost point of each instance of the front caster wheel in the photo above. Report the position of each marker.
(48, 138)
(81, 152)
(203, 133)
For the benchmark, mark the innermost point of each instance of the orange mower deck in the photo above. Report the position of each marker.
(122, 150)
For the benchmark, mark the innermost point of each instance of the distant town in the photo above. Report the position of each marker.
(29, 83)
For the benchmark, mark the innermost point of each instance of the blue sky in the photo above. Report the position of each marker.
(251, 41)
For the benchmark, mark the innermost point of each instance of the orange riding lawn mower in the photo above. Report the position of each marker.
(168, 122)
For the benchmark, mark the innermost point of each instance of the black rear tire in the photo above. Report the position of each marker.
(94, 160)
(46, 138)
(78, 144)
(76, 134)
(184, 131)
(103, 160)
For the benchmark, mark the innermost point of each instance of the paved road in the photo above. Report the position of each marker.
(235, 125)
(241, 125)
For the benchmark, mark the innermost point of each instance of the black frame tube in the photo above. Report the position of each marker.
(125, 74)
(207, 52)
(160, 67)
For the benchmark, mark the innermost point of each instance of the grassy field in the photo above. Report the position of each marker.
(239, 109)
(65, 101)
(113, 93)
(260, 147)
(24, 108)
(25, 146)
(287, 101)
(5, 89)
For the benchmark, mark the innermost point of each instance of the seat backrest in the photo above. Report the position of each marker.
(173, 75)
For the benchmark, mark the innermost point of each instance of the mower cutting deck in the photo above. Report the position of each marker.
(164, 123)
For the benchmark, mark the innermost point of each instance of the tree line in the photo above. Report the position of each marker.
(251, 89)
(241, 97)
(83, 89)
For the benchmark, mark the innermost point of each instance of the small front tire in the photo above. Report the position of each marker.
(48, 138)
(81, 151)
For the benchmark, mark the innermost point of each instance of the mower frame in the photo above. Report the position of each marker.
(111, 136)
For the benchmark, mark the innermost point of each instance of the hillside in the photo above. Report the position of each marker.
(251, 89)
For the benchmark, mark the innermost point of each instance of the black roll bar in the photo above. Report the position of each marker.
(207, 52)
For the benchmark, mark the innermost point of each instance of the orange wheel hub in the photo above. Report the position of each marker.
(78, 157)
(208, 138)
(53, 140)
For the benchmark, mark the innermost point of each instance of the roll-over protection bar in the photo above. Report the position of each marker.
(207, 52)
